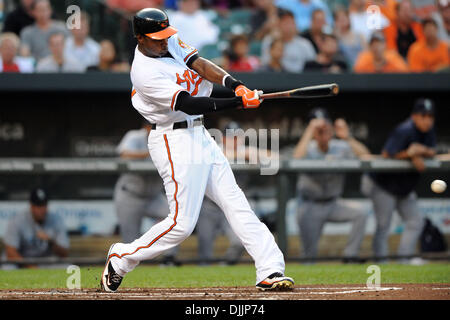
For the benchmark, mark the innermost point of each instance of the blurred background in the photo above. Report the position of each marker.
(65, 100)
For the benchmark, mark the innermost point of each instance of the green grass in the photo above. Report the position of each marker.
(220, 276)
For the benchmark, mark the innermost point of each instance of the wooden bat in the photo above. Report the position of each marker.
(320, 91)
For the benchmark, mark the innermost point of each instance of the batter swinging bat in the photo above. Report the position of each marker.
(320, 91)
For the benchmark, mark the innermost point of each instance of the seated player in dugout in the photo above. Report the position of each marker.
(36, 232)
(171, 89)
(320, 193)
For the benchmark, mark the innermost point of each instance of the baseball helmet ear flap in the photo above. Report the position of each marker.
(153, 23)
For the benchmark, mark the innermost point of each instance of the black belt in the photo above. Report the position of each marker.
(183, 124)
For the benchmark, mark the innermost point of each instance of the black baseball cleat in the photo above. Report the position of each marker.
(276, 282)
(110, 281)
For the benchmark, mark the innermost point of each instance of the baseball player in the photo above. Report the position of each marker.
(171, 89)
(413, 139)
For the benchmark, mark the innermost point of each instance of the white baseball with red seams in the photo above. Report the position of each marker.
(156, 84)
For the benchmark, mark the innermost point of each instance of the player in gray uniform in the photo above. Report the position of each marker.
(212, 222)
(138, 195)
(36, 232)
(415, 140)
(320, 192)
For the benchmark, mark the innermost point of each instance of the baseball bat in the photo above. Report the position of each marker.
(319, 91)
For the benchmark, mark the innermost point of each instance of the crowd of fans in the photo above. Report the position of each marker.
(32, 41)
(362, 36)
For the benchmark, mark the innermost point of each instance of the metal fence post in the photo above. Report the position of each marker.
(282, 198)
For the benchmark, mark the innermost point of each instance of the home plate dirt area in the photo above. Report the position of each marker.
(303, 292)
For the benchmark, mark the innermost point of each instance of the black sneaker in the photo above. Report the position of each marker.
(110, 281)
(276, 282)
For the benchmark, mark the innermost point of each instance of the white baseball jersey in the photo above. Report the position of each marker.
(158, 81)
(156, 85)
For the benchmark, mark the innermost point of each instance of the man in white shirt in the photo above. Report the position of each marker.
(297, 50)
(81, 47)
(57, 61)
(194, 25)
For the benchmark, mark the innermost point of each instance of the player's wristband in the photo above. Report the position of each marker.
(230, 82)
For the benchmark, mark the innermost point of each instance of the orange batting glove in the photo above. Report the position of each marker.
(241, 90)
(251, 99)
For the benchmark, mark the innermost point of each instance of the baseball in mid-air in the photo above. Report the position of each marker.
(438, 186)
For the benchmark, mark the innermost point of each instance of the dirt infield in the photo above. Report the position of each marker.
(322, 292)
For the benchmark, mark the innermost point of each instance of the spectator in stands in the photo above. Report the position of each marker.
(80, 46)
(36, 233)
(303, 9)
(379, 60)
(320, 193)
(275, 63)
(315, 33)
(431, 54)
(236, 58)
(108, 59)
(34, 38)
(415, 140)
(424, 8)
(19, 18)
(442, 18)
(401, 34)
(194, 27)
(57, 61)
(8, 51)
(350, 43)
(9, 61)
(264, 19)
(297, 50)
(329, 59)
(362, 22)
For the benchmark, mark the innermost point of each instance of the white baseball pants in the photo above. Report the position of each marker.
(192, 165)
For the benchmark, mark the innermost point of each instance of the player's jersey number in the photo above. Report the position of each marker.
(191, 80)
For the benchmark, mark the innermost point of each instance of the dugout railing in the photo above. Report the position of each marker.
(288, 169)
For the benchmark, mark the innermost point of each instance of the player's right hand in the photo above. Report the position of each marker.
(251, 99)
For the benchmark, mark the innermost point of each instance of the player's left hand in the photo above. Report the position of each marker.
(241, 90)
(251, 99)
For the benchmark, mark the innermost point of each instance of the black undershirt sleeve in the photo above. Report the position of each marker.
(201, 105)
(191, 60)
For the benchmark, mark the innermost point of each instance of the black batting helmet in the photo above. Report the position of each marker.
(153, 23)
